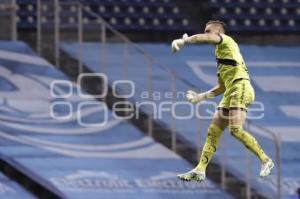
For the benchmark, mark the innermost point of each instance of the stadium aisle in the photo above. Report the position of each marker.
(195, 68)
(87, 152)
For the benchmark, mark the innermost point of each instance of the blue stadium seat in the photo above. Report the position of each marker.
(122, 14)
(258, 15)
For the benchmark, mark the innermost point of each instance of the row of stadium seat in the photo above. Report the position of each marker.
(264, 22)
(132, 9)
(258, 12)
(122, 14)
(119, 2)
(257, 15)
(72, 12)
(273, 3)
(117, 22)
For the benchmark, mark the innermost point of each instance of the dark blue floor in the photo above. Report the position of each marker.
(86, 153)
(275, 75)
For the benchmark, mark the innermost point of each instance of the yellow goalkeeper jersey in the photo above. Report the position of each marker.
(228, 49)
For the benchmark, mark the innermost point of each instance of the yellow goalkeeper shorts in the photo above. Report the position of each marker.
(239, 95)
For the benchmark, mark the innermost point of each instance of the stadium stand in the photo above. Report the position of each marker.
(275, 72)
(111, 159)
(73, 158)
(258, 16)
(123, 15)
(11, 190)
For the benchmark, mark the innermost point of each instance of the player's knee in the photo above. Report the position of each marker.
(236, 130)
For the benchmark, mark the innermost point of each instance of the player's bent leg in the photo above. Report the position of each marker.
(248, 140)
(208, 151)
(236, 120)
(215, 130)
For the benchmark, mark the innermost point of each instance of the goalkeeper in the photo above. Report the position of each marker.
(234, 82)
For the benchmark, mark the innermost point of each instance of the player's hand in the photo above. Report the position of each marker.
(179, 43)
(194, 97)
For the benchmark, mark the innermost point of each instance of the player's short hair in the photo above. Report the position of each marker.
(218, 22)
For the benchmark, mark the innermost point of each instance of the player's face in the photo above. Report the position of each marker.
(211, 28)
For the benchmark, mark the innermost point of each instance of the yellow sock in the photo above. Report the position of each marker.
(210, 147)
(249, 141)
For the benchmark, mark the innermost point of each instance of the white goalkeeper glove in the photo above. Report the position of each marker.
(194, 97)
(177, 44)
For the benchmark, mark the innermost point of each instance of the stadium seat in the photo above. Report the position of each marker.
(257, 15)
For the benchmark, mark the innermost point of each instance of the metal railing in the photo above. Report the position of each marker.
(105, 26)
(277, 142)
(10, 9)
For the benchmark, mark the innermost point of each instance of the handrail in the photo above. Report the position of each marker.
(127, 40)
(277, 141)
(13, 14)
(173, 75)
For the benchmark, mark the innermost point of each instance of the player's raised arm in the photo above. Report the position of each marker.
(210, 38)
(203, 38)
(211, 35)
